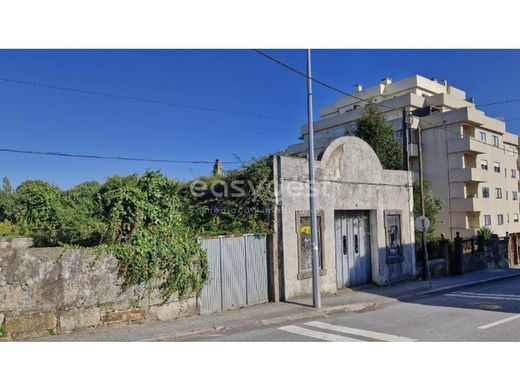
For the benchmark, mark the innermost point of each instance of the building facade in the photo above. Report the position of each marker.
(365, 220)
(469, 159)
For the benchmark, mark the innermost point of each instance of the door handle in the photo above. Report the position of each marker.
(344, 245)
(356, 243)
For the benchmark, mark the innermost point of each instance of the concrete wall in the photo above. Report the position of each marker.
(56, 290)
(349, 177)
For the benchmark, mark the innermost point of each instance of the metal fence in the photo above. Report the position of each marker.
(237, 272)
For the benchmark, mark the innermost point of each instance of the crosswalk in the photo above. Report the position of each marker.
(474, 295)
(329, 332)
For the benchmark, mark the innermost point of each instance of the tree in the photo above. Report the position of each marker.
(374, 129)
(7, 201)
(80, 215)
(238, 201)
(7, 185)
(37, 209)
(432, 204)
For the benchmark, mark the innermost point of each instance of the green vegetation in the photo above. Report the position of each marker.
(7, 229)
(484, 233)
(432, 204)
(2, 329)
(149, 234)
(373, 128)
(149, 222)
(235, 202)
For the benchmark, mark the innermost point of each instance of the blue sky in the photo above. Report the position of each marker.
(239, 80)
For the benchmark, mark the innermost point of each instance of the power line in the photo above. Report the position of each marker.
(367, 100)
(499, 102)
(142, 100)
(91, 156)
(305, 75)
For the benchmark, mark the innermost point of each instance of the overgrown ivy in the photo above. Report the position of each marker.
(149, 234)
(150, 223)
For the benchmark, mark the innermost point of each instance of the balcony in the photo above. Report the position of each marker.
(468, 175)
(466, 145)
(467, 204)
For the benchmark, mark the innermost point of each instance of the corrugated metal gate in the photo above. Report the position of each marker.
(237, 272)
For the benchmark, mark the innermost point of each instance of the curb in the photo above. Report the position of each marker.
(454, 286)
(312, 313)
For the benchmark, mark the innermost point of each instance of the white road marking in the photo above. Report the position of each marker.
(500, 322)
(488, 296)
(358, 332)
(316, 334)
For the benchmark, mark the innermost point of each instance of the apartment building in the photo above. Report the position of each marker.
(469, 158)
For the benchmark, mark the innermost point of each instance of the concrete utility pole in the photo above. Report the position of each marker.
(423, 209)
(316, 297)
(405, 139)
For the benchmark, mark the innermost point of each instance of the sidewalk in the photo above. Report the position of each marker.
(347, 300)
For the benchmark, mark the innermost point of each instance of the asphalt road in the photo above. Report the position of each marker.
(485, 312)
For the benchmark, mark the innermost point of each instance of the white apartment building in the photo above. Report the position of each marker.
(469, 158)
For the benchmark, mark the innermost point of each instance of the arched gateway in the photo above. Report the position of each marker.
(365, 220)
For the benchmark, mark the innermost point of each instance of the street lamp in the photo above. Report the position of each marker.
(316, 298)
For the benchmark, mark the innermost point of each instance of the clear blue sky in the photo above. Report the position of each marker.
(239, 80)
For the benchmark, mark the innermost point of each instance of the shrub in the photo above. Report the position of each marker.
(7, 229)
(80, 215)
(242, 200)
(484, 233)
(149, 234)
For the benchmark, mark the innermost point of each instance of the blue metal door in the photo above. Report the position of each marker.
(353, 260)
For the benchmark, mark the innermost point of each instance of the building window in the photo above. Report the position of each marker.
(498, 193)
(484, 165)
(485, 192)
(507, 194)
(393, 235)
(496, 141)
(513, 173)
(515, 217)
(515, 195)
(304, 245)
(505, 172)
(487, 220)
(496, 167)
(500, 219)
(483, 136)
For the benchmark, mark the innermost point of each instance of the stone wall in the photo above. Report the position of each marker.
(55, 290)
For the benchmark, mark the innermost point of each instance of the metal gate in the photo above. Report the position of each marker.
(353, 260)
(237, 272)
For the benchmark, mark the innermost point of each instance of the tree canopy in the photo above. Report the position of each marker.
(373, 128)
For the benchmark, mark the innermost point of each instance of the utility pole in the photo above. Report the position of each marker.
(423, 209)
(316, 298)
(405, 140)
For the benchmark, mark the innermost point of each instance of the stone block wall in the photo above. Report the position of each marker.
(55, 290)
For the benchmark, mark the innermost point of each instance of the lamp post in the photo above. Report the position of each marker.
(316, 298)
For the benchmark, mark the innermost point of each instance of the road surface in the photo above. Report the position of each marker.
(485, 312)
